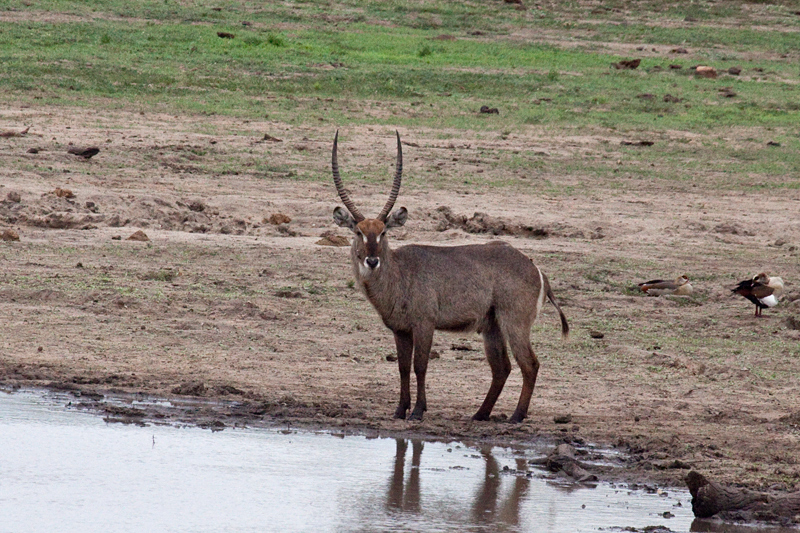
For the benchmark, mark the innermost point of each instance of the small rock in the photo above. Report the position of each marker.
(138, 236)
(225, 35)
(391, 358)
(197, 206)
(14, 197)
(679, 51)
(735, 71)
(562, 419)
(489, 110)
(33, 150)
(596, 334)
(116, 238)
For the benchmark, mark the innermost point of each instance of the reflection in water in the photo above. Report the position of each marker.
(62, 470)
(404, 496)
(487, 499)
(488, 507)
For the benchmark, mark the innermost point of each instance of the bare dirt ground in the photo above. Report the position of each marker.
(222, 303)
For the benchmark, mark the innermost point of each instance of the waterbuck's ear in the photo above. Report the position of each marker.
(343, 218)
(397, 218)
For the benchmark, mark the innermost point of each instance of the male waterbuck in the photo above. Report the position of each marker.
(490, 288)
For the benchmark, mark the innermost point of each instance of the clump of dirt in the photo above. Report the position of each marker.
(485, 223)
(330, 238)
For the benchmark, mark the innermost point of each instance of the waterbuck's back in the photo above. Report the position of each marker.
(458, 287)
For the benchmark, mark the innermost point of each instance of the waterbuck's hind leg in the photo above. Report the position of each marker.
(496, 354)
(529, 365)
(405, 347)
(423, 339)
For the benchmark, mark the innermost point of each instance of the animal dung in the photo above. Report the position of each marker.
(84, 152)
(637, 143)
(225, 35)
(12, 133)
(658, 287)
(705, 72)
(627, 64)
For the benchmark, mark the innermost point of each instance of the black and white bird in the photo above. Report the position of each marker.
(763, 290)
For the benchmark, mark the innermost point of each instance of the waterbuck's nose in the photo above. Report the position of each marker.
(373, 262)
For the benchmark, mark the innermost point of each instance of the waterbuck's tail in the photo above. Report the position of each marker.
(564, 324)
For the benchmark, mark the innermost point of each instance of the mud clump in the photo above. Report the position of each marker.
(139, 236)
(63, 193)
(9, 235)
(483, 223)
(329, 238)
(279, 218)
(190, 388)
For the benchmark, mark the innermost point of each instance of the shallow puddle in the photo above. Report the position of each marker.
(68, 470)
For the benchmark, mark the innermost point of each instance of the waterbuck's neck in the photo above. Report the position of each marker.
(380, 285)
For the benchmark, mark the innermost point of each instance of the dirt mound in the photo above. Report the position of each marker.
(484, 223)
(56, 210)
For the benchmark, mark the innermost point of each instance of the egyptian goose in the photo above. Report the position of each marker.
(762, 290)
(657, 287)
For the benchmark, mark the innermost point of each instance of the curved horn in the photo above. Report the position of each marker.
(337, 180)
(398, 176)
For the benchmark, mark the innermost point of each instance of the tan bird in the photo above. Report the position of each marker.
(657, 287)
(774, 282)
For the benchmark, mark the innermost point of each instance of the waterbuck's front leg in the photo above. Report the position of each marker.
(405, 347)
(423, 339)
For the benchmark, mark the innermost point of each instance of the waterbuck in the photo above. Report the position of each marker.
(491, 288)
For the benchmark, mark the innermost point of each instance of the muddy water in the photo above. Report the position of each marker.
(66, 470)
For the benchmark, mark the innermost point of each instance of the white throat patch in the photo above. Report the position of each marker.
(365, 271)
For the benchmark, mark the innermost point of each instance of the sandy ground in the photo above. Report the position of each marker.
(222, 303)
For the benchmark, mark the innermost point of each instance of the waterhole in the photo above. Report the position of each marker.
(67, 470)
